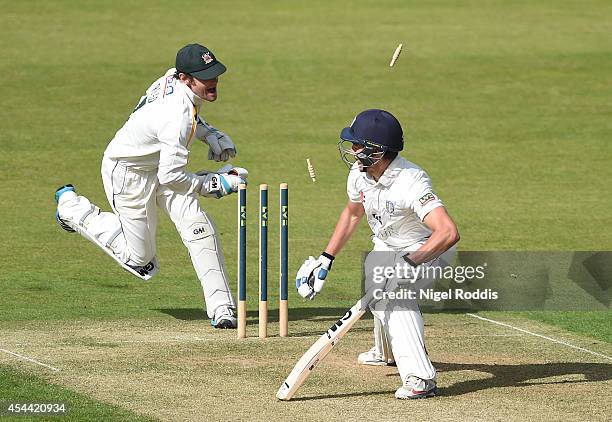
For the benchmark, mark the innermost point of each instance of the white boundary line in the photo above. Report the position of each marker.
(601, 355)
(29, 359)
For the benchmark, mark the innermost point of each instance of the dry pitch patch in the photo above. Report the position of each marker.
(183, 370)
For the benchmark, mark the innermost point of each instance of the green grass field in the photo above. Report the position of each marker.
(506, 105)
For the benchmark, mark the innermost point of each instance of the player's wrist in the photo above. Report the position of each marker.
(326, 260)
(410, 261)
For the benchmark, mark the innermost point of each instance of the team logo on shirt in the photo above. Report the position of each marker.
(428, 197)
(390, 206)
(207, 58)
(361, 197)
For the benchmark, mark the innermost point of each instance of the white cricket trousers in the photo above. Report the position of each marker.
(130, 231)
(403, 327)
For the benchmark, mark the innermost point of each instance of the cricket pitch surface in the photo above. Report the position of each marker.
(172, 369)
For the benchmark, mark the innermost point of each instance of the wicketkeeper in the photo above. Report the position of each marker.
(409, 221)
(144, 167)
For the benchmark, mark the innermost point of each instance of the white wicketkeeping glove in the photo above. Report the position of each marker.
(229, 169)
(220, 146)
(223, 182)
(312, 274)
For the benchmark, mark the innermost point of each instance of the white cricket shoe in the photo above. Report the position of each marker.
(375, 358)
(416, 388)
(225, 317)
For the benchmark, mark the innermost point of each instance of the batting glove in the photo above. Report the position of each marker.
(311, 276)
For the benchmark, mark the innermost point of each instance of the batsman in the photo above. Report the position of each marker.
(144, 168)
(407, 220)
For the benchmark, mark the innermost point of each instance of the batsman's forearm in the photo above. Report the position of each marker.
(346, 226)
(436, 245)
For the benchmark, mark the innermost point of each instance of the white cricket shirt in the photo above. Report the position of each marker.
(159, 132)
(396, 204)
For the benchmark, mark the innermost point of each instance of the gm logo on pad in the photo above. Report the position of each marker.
(199, 230)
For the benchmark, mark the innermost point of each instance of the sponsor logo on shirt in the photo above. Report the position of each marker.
(428, 197)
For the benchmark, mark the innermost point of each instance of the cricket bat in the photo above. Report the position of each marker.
(321, 348)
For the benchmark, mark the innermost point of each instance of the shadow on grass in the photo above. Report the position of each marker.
(295, 314)
(321, 331)
(522, 375)
(185, 314)
(503, 376)
(344, 395)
